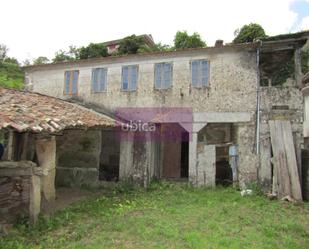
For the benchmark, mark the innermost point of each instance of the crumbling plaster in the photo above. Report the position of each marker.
(231, 97)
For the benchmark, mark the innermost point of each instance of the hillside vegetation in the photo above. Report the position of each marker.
(11, 75)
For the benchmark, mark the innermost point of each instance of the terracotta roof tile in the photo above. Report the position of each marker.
(28, 111)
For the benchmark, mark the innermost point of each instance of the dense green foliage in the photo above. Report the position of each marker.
(40, 60)
(62, 55)
(131, 44)
(287, 70)
(169, 216)
(158, 47)
(11, 75)
(93, 50)
(248, 33)
(305, 61)
(3, 52)
(182, 40)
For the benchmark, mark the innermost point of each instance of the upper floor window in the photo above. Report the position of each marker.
(71, 82)
(200, 73)
(163, 75)
(99, 80)
(129, 78)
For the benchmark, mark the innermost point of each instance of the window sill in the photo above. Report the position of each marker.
(99, 92)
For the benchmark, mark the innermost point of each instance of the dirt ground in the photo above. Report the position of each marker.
(65, 197)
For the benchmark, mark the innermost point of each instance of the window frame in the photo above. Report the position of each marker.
(208, 74)
(70, 93)
(129, 83)
(105, 69)
(172, 75)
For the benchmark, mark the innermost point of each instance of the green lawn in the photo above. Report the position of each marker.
(169, 216)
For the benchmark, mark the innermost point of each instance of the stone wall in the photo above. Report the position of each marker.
(78, 157)
(232, 81)
(231, 95)
(20, 192)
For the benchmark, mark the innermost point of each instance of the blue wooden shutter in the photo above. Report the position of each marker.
(94, 80)
(125, 78)
(103, 79)
(67, 82)
(194, 72)
(100, 79)
(133, 74)
(158, 72)
(75, 82)
(167, 75)
(205, 70)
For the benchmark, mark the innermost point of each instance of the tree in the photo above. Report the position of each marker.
(92, 51)
(3, 51)
(156, 48)
(130, 44)
(11, 60)
(248, 33)
(182, 40)
(26, 63)
(41, 60)
(62, 55)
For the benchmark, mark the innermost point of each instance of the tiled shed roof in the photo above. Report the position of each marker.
(28, 111)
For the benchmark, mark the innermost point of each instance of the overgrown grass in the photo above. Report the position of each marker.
(11, 75)
(169, 216)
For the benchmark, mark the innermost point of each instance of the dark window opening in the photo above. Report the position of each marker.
(224, 175)
(110, 172)
(110, 156)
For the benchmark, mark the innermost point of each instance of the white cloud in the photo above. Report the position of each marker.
(304, 25)
(35, 27)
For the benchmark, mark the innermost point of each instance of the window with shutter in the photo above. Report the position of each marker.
(67, 82)
(163, 75)
(129, 78)
(71, 82)
(99, 80)
(200, 73)
(125, 78)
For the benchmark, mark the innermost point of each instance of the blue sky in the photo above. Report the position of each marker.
(35, 28)
(301, 7)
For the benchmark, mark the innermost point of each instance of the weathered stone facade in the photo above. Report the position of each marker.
(78, 157)
(230, 98)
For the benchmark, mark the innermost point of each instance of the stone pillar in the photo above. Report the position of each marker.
(35, 198)
(193, 159)
(206, 165)
(10, 149)
(193, 153)
(46, 155)
(126, 156)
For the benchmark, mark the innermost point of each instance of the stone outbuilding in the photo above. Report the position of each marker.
(31, 128)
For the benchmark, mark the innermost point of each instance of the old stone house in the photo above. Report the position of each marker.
(232, 91)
